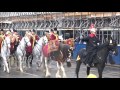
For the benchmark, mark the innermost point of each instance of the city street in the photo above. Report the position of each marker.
(109, 72)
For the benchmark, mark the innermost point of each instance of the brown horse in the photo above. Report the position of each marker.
(61, 55)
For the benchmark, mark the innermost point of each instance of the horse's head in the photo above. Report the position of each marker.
(113, 46)
(44, 40)
(27, 41)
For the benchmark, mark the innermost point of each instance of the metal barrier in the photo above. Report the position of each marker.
(80, 46)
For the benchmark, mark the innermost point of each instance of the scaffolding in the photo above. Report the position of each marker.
(106, 23)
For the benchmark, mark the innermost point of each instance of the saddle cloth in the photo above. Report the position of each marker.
(53, 45)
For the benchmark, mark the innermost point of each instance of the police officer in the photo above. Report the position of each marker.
(91, 46)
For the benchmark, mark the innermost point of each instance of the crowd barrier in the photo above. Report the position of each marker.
(80, 46)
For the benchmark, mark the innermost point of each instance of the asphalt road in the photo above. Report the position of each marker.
(109, 72)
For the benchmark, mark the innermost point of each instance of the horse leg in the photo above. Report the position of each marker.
(31, 60)
(68, 60)
(9, 62)
(78, 62)
(100, 70)
(63, 70)
(46, 65)
(14, 59)
(27, 60)
(43, 65)
(58, 71)
(37, 62)
(4, 68)
(41, 60)
(6, 64)
(17, 62)
(88, 71)
(20, 63)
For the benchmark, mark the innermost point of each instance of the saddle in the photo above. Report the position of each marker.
(53, 45)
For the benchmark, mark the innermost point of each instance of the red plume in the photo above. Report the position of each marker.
(91, 26)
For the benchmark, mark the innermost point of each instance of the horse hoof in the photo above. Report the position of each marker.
(58, 76)
(37, 69)
(48, 75)
(64, 76)
(8, 72)
(44, 70)
(21, 70)
(4, 70)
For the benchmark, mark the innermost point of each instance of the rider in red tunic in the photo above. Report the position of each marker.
(15, 41)
(54, 38)
(33, 39)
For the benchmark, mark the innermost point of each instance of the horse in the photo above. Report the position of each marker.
(37, 52)
(5, 53)
(99, 59)
(20, 52)
(61, 55)
(14, 44)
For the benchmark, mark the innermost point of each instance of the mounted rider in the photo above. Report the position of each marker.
(33, 39)
(15, 40)
(91, 46)
(8, 34)
(2, 37)
(53, 42)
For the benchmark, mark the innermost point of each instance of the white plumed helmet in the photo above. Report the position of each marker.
(8, 32)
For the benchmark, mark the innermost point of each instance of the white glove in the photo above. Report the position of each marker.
(98, 43)
(81, 37)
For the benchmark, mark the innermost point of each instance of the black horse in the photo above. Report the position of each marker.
(99, 59)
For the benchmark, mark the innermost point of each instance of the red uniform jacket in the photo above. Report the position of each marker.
(29, 48)
(52, 37)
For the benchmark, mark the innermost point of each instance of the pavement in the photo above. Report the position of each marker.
(109, 71)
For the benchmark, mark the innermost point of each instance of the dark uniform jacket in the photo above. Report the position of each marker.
(91, 42)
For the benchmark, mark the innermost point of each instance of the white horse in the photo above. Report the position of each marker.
(37, 51)
(5, 53)
(20, 52)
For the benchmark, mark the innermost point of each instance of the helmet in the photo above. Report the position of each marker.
(91, 76)
(8, 32)
(1, 30)
(51, 30)
(32, 30)
(92, 28)
(55, 29)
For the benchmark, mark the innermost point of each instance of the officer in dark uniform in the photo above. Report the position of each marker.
(91, 46)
